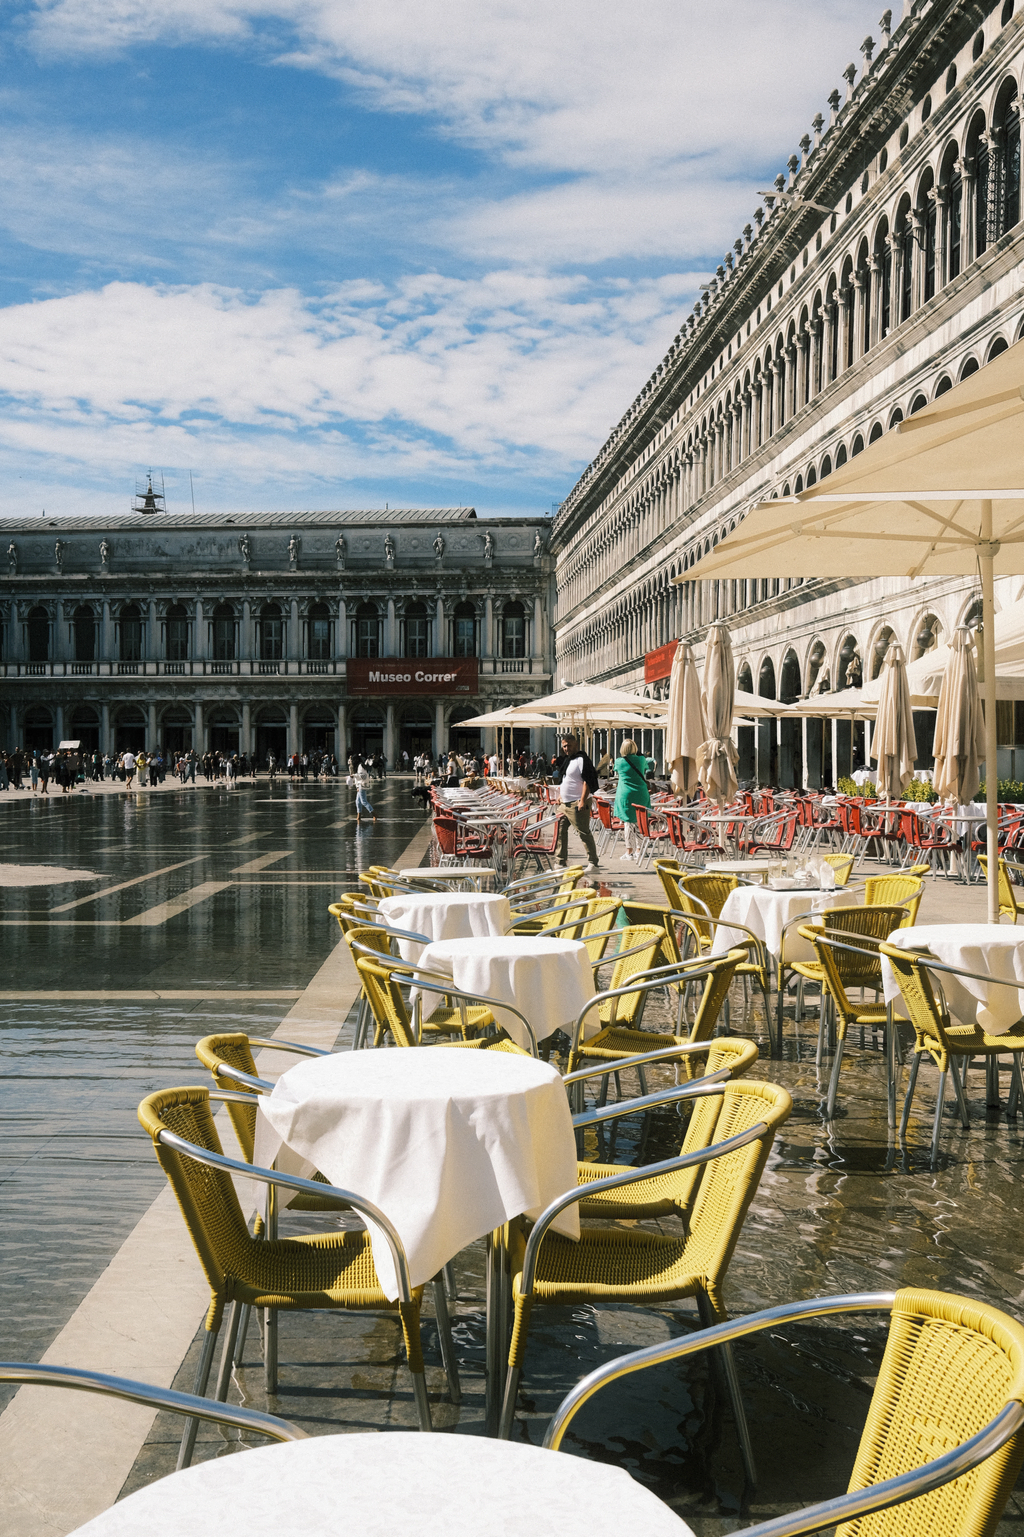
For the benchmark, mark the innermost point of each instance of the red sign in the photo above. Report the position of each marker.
(658, 664)
(387, 677)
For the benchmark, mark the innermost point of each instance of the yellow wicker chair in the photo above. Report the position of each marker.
(944, 1427)
(842, 864)
(848, 919)
(1008, 906)
(640, 950)
(883, 890)
(636, 1266)
(572, 909)
(382, 978)
(919, 978)
(711, 892)
(852, 962)
(670, 872)
(668, 1194)
(324, 1270)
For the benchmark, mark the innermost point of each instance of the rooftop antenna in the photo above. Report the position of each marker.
(193, 490)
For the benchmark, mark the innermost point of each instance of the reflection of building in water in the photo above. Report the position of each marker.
(202, 631)
(884, 269)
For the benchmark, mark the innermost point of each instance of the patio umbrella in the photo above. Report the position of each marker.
(959, 727)
(685, 728)
(895, 745)
(716, 756)
(942, 495)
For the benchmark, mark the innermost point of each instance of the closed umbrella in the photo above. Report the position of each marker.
(894, 745)
(716, 756)
(959, 725)
(685, 729)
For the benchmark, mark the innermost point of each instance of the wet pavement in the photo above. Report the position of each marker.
(840, 1208)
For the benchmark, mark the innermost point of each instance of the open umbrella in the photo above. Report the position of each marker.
(942, 495)
(959, 727)
(895, 745)
(685, 728)
(716, 756)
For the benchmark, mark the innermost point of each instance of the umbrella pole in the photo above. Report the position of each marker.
(988, 606)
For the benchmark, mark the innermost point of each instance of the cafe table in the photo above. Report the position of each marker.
(445, 915)
(468, 876)
(382, 1485)
(450, 1145)
(994, 951)
(548, 980)
(765, 912)
(762, 868)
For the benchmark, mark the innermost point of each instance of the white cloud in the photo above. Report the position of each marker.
(432, 376)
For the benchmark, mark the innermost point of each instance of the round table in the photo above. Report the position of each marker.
(548, 980)
(741, 867)
(766, 912)
(448, 1144)
(379, 1485)
(464, 873)
(979, 947)
(444, 915)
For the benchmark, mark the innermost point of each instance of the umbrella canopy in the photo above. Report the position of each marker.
(942, 495)
(754, 705)
(895, 745)
(959, 726)
(685, 726)
(508, 717)
(585, 699)
(716, 756)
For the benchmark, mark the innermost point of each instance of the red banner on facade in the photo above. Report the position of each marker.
(387, 677)
(658, 664)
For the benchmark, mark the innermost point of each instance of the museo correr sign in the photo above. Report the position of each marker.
(387, 677)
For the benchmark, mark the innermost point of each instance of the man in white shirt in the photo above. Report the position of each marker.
(579, 779)
(129, 767)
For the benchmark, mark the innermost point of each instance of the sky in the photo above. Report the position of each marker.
(317, 254)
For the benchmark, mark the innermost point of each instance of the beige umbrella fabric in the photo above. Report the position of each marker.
(685, 730)
(959, 725)
(894, 746)
(716, 756)
(942, 495)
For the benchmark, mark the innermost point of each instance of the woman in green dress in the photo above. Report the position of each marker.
(632, 769)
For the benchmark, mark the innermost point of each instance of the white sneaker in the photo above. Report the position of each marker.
(626, 858)
(591, 869)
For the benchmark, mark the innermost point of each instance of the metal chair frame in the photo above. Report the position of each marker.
(843, 1508)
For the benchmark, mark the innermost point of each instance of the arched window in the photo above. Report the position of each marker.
(464, 625)
(85, 634)
(895, 418)
(798, 487)
(905, 240)
(812, 476)
(950, 78)
(270, 641)
(927, 637)
(858, 446)
(318, 633)
(944, 384)
(917, 404)
(1011, 161)
(883, 256)
(881, 646)
(1007, 12)
(744, 678)
(927, 215)
(223, 633)
(789, 678)
(840, 456)
(130, 630)
(367, 630)
(981, 208)
(417, 630)
(996, 348)
(875, 433)
(513, 630)
(177, 633)
(826, 466)
(969, 368)
(766, 679)
(978, 47)
(38, 635)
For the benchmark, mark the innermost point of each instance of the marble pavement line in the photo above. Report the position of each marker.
(138, 880)
(64, 1456)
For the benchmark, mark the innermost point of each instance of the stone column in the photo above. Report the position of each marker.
(294, 637)
(738, 423)
(801, 391)
(538, 646)
(390, 629)
(843, 317)
(198, 640)
(858, 315)
(293, 728)
(245, 742)
(245, 649)
(151, 647)
(58, 724)
(439, 741)
(390, 735)
(968, 236)
(917, 274)
(939, 196)
(199, 730)
(817, 362)
(791, 405)
(342, 738)
(875, 299)
(440, 646)
(826, 346)
(341, 636)
(487, 637)
(151, 737)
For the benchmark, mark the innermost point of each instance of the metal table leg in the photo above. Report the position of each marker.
(497, 1338)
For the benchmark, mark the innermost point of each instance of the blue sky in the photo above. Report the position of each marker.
(328, 254)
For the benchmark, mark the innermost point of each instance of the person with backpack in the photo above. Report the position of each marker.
(578, 781)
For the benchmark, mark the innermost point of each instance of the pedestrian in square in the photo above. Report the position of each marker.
(364, 806)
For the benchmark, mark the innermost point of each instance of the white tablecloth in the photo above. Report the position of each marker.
(548, 980)
(380, 1485)
(449, 1144)
(766, 912)
(445, 915)
(979, 947)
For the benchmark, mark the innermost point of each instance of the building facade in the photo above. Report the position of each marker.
(347, 631)
(885, 267)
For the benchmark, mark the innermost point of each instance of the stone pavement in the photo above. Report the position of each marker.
(96, 1016)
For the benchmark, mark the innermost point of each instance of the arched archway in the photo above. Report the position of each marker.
(271, 735)
(38, 634)
(37, 732)
(882, 642)
(85, 633)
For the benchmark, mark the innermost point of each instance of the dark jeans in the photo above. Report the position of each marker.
(580, 820)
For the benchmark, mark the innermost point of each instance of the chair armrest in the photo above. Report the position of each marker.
(248, 1080)
(616, 1182)
(152, 1397)
(433, 982)
(358, 1203)
(699, 1089)
(293, 1046)
(663, 1054)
